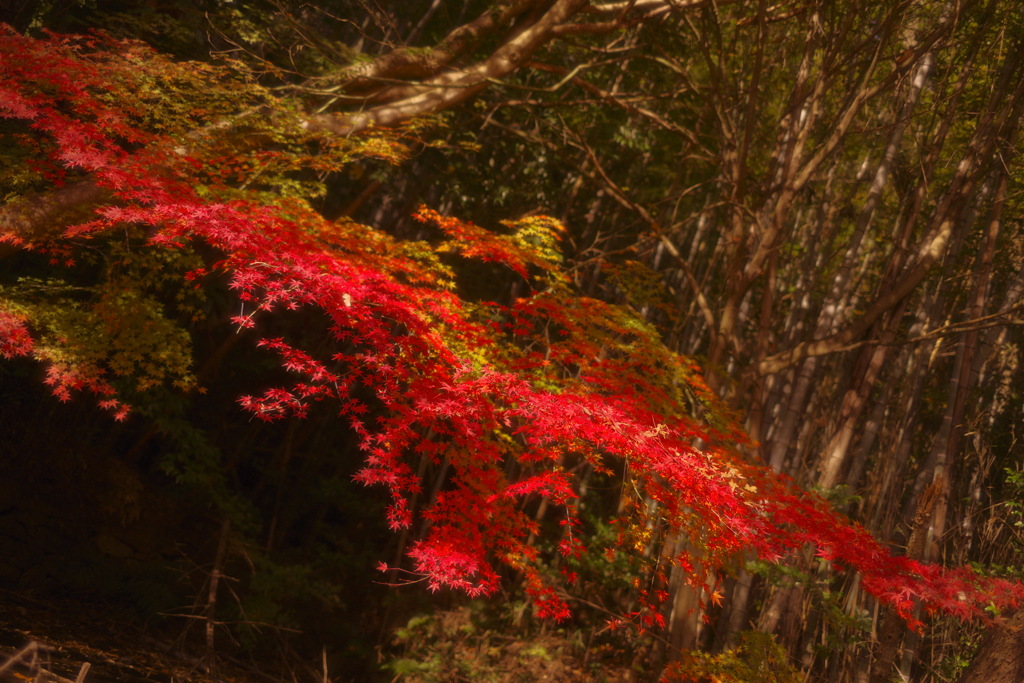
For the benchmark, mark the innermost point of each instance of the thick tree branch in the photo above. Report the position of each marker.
(454, 87)
(443, 90)
(406, 63)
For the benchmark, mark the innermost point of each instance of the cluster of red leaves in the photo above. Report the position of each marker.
(63, 379)
(448, 382)
(15, 339)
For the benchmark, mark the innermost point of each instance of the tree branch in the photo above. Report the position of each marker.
(407, 63)
(453, 87)
(443, 90)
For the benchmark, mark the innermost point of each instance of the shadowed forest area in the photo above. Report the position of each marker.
(511, 340)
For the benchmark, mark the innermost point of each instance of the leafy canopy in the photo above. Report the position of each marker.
(177, 161)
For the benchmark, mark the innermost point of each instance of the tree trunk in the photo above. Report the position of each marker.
(1001, 657)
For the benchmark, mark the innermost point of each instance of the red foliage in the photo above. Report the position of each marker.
(449, 380)
(15, 339)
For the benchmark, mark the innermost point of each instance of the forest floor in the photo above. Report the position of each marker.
(45, 641)
(50, 640)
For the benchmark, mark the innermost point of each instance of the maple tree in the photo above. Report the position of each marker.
(120, 144)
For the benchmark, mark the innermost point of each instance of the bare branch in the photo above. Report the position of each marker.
(456, 86)
(442, 90)
(405, 63)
